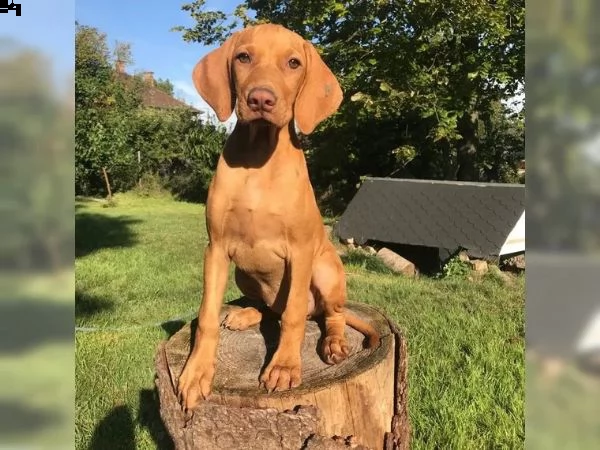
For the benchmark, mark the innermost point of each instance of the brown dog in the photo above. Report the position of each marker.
(261, 211)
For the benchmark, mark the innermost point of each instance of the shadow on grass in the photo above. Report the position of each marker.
(115, 431)
(87, 305)
(149, 418)
(30, 323)
(97, 231)
(18, 419)
(172, 327)
(84, 199)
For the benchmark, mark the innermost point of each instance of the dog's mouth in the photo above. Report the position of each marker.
(262, 122)
(260, 118)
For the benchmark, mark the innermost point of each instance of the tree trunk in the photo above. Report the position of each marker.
(108, 190)
(361, 402)
(467, 149)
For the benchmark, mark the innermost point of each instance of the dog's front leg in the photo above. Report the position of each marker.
(284, 370)
(197, 376)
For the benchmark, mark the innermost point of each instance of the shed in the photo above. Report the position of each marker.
(485, 219)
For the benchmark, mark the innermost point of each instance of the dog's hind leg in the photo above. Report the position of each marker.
(244, 318)
(329, 288)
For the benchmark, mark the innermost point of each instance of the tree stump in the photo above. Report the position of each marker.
(360, 403)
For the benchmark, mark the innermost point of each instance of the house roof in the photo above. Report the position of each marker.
(154, 97)
(477, 217)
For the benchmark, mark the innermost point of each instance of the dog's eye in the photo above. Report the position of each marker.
(293, 63)
(243, 57)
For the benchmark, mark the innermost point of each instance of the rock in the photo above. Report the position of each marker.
(396, 262)
(369, 250)
(590, 362)
(349, 241)
(463, 256)
(516, 263)
(479, 266)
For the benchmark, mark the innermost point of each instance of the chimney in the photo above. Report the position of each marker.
(148, 77)
(120, 66)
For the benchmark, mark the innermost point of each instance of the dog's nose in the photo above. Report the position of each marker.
(261, 99)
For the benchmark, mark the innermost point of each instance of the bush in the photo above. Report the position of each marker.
(456, 269)
(150, 185)
(176, 150)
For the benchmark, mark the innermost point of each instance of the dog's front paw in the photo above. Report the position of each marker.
(195, 383)
(282, 373)
(335, 349)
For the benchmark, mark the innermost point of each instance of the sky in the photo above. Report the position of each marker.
(146, 26)
(46, 26)
(49, 26)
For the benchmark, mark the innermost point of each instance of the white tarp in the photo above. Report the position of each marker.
(589, 341)
(515, 242)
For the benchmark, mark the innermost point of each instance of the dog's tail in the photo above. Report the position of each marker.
(363, 327)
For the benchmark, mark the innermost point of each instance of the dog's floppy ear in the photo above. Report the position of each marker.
(212, 78)
(320, 95)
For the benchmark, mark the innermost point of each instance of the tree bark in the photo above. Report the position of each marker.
(108, 190)
(467, 149)
(360, 403)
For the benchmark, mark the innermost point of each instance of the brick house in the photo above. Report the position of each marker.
(152, 97)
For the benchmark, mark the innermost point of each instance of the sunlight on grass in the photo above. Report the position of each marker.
(465, 343)
(573, 395)
(41, 398)
(139, 263)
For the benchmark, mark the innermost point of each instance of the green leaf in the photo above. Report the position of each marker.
(385, 87)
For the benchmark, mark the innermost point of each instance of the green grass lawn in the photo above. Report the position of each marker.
(36, 360)
(139, 264)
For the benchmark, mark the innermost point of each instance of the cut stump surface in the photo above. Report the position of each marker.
(361, 402)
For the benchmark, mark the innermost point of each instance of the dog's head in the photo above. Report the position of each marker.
(269, 74)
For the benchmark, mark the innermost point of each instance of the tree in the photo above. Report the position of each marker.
(179, 149)
(112, 126)
(563, 178)
(36, 139)
(421, 79)
(165, 85)
(104, 110)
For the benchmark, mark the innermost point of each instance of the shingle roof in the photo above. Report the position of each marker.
(444, 214)
(154, 97)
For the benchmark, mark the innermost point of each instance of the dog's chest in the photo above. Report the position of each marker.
(256, 210)
(255, 237)
(251, 224)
